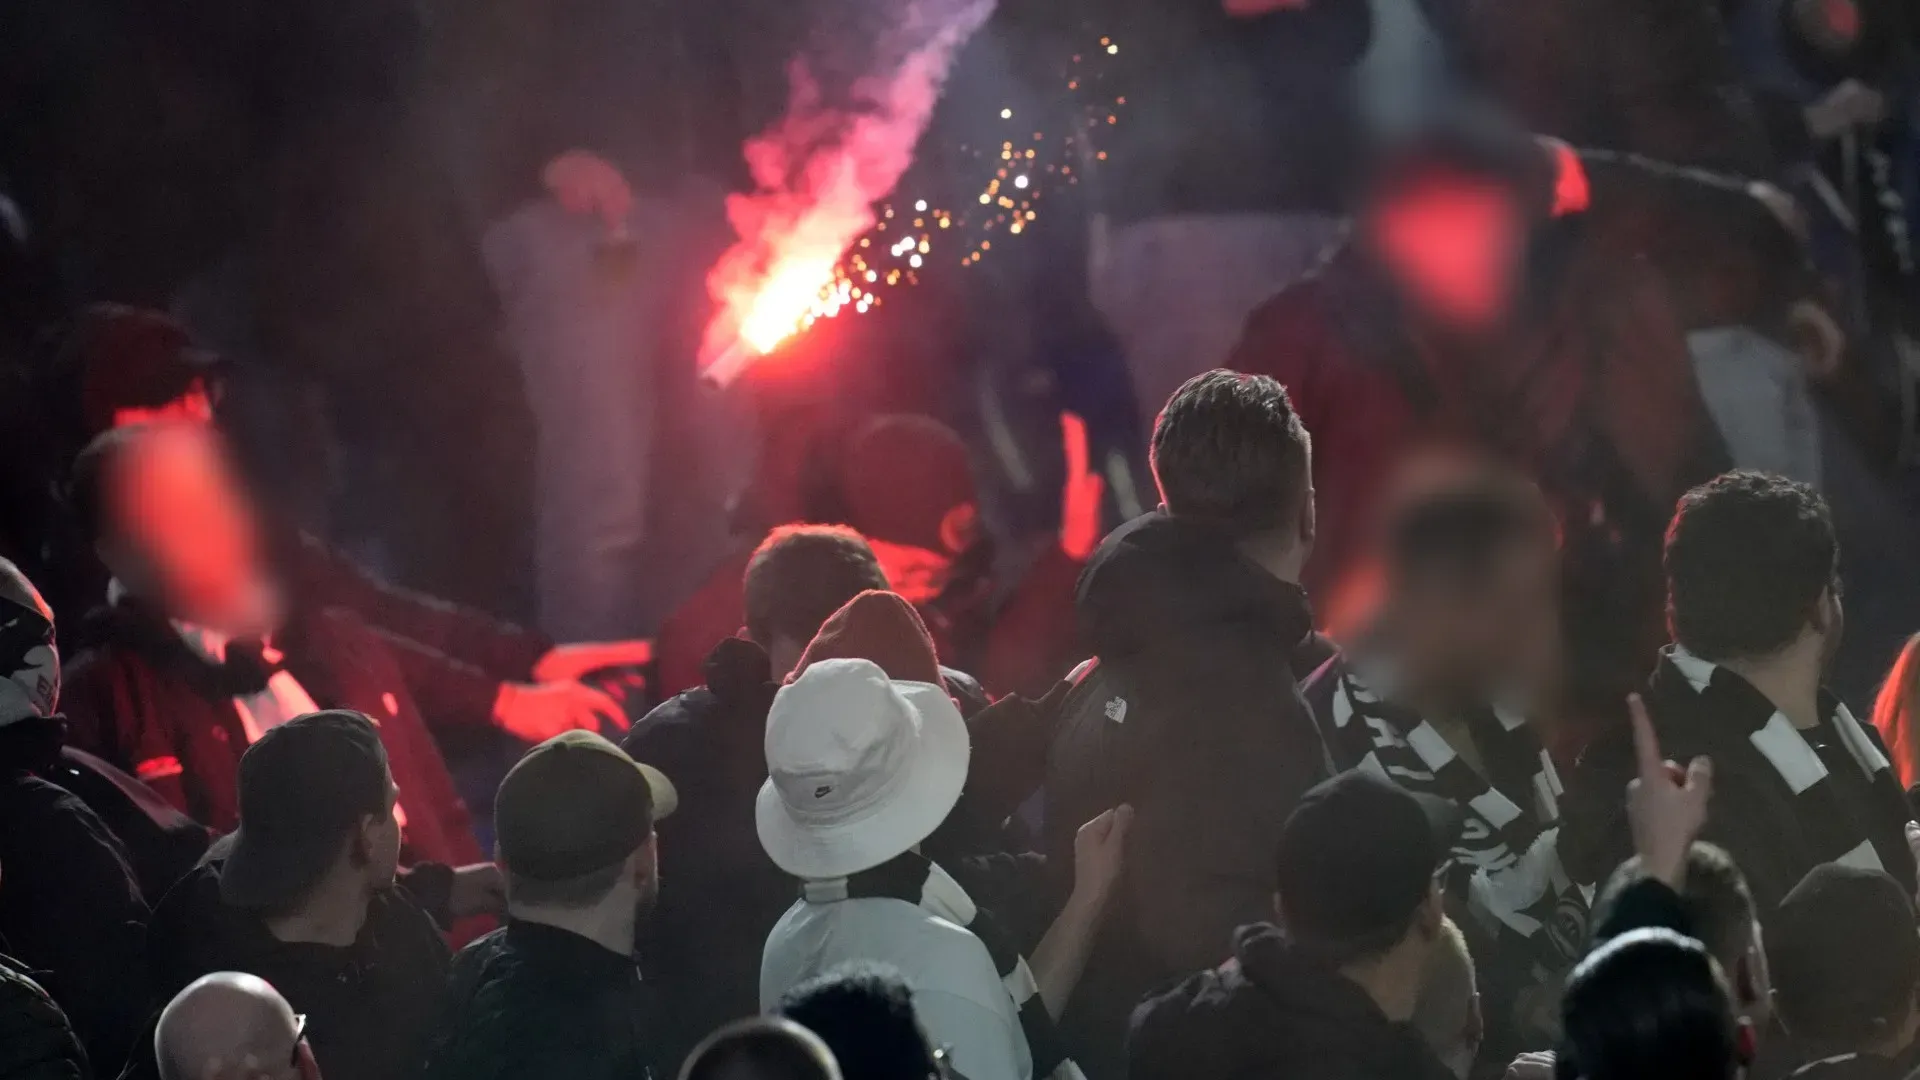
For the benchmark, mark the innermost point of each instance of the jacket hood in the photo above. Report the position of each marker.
(1275, 1014)
(1160, 577)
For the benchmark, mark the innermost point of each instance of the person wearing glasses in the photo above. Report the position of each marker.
(232, 1026)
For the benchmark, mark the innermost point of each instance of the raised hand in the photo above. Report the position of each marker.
(1666, 806)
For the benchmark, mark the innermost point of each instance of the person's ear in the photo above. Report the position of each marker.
(1476, 1029)
(361, 844)
(1309, 519)
(646, 861)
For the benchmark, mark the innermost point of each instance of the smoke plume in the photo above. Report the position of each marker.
(819, 170)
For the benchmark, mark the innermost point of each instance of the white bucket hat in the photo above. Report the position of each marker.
(861, 768)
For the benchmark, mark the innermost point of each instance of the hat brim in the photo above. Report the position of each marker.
(936, 770)
(665, 797)
(268, 872)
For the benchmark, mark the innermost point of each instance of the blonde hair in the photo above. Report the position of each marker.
(1893, 713)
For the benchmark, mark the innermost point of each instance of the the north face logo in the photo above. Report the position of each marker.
(823, 791)
(1117, 710)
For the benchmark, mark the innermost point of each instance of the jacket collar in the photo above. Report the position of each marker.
(550, 948)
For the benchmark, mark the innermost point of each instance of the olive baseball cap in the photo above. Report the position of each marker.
(575, 804)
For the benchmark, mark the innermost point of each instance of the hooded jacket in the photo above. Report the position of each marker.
(1193, 717)
(1273, 1014)
(370, 1006)
(36, 1042)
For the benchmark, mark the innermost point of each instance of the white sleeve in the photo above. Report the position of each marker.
(982, 1043)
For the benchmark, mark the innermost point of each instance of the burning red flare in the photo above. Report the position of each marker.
(818, 174)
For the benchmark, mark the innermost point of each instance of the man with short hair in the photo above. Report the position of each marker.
(1846, 958)
(1327, 990)
(765, 1048)
(705, 941)
(799, 575)
(1447, 1013)
(1719, 907)
(1754, 605)
(230, 1026)
(1192, 714)
(864, 1013)
(557, 991)
(303, 895)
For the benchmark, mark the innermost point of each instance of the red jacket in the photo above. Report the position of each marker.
(139, 698)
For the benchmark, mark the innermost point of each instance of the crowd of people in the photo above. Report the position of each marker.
(1529, 396)
(1224, 846)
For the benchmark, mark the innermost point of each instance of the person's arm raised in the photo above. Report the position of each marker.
(1666, 806)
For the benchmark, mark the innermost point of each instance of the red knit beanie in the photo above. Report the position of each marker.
(881, 627)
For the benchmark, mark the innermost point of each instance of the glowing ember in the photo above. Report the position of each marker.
(818, 173)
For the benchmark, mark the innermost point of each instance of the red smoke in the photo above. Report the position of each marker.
(817, 174)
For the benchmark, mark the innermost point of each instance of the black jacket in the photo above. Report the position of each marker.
(530, 1002)
(370, 1005)
(1221, 744)
(70, 907)
(723, 894)
(1271, 1014)
(1773, 834)
(36, 1042)
(1192, 716)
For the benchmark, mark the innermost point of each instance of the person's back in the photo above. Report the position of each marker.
(1332, 995)
(1192, 714)
(1755, 608)
(557, 991)
(36, 1041)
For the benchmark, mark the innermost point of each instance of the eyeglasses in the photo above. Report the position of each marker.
(299, 1039)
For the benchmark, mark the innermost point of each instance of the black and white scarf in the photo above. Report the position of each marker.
(1508, 847)
(914, 879)
(1826, 830)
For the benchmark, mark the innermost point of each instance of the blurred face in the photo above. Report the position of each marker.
(1496, 638)
(1454, 246)
(184, 532)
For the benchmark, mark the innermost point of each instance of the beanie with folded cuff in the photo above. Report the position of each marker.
(881, 627)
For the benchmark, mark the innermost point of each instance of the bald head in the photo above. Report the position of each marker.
(227, 1026)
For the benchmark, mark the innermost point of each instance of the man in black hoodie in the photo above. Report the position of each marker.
(304, 896)
(1191, 714)
(1332, 995)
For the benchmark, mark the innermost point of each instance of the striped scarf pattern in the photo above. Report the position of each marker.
(1799, 766)
(914, 879)
(1508, 847)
